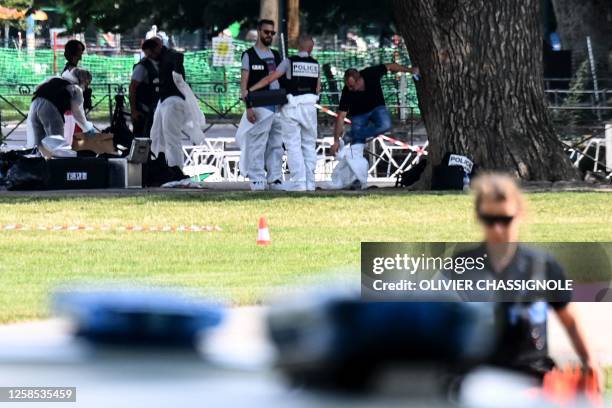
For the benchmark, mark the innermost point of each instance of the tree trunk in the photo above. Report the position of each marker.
(577, 19)
(481, 92)
(268, 9)
(293, 18)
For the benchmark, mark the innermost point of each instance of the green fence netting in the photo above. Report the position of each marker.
(216, 87)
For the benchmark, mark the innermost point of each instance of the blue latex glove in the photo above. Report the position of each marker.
(91, 132)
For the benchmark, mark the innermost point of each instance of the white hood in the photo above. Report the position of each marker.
(69, 76)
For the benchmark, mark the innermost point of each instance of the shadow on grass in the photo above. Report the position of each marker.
(158, 195)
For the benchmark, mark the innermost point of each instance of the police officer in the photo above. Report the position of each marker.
(299, 115)
(522, 343)
(144, 89)
(260, 133)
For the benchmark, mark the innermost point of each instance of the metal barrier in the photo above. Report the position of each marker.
(587, 100)
(389, 159)
(564, 83)
(218, 100)
(17, 98)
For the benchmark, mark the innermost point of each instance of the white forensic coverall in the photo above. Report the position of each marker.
(352, 166)
(261, 146)
(299, 118)
(45, 120)
(173, 118)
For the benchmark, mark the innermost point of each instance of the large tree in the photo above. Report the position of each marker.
(481, 92)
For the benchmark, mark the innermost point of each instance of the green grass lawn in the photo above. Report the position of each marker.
(313, 236)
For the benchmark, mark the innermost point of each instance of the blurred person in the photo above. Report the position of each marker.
(362, 101)
(299, 116)
(523, 344)
(360, 43)
(144, 89)
(155, 33)
(54, 97)
(260, 134)
(251, 35)
(152, 32)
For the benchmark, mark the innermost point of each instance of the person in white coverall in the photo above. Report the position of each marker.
(177, 114)
(260, 134)
(54, 97)
(299, 115)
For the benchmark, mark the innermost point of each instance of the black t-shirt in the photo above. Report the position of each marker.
(360, 102)
(522, 342)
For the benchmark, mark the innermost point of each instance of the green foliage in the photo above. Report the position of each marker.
(568, 119)
(328, 16)
(118, 15)
(17, 4)
(18, 67)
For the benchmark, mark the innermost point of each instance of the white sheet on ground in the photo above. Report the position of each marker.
(352, 166)
(57, 146)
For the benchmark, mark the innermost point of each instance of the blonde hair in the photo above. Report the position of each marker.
(497, 187)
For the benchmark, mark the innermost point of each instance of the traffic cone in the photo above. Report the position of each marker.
(263, 235)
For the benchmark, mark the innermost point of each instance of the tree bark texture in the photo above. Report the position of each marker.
(481, 92)
(293, 22)
(268, 9)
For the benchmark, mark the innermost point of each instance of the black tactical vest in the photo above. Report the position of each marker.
(147, 94)
(170, 61)
(258, 69)
(304, 75)
(55, 92)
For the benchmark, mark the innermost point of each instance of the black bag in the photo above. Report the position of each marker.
(77, 173)
(267, 98)
(408, 178)
(27, 173)
(450, 173)
(122, 135)
(9, 158)
(156, 172)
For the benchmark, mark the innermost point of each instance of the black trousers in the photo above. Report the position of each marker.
(142, 126)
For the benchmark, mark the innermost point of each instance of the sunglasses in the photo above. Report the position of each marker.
(491, 220)
(269, 32)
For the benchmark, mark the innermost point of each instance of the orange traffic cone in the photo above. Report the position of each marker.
(567, 385)
(263, 235)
